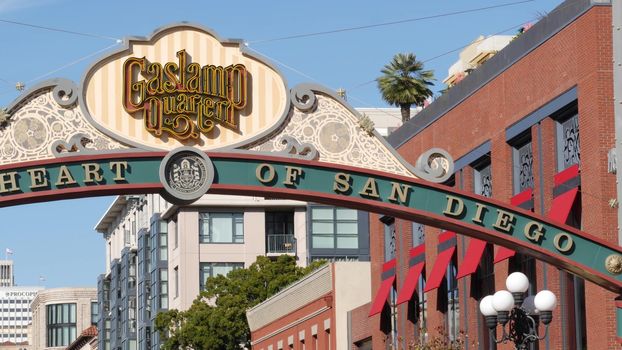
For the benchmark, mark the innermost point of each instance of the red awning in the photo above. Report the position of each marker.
(566, 174)
(562, 205)
(447, 247)
(504, 253)
(417, 262)
(471, 258)
(388, 277)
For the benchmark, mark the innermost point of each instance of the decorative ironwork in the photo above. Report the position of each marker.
(418, 233)
(525, 164)
(484, 179)
(281, 244)
(571, 148)
(301, 150)
(4, 117)
(390, 241)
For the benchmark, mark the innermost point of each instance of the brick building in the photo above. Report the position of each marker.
(313, 312)
(533, 126)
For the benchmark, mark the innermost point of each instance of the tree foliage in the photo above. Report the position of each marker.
(404, 83)
(217, 318)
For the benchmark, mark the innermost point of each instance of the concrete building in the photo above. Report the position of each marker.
(16, 314)
(312, 313)
(474, 55)
(59, 315)
(159, 255)
(6, 273)
(533, 127)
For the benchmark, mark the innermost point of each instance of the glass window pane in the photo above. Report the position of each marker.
(219, 269)
(347, 228)
(322, 227)
(221, 227)
(347, 242)
(347, 214)
(323, 242)
(322, 213)
(72, 313)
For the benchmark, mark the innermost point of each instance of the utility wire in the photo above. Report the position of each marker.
(72, 63)
(452, 50)
(60, 30)
(348, 29)
(63, 67)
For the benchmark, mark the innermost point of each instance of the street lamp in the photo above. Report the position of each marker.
(522, 314)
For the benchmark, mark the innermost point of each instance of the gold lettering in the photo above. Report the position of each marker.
(400, 190)
(64, 177)
(119, 169)
(342, 183)
(505, 221)
(8, 182)
(370, 189)
(292, 175)
(268, 169)
(92, 173)
(479, 213)
(534, 231)
(455, 206)
(38, 178)
(563, 242)
(132, 88)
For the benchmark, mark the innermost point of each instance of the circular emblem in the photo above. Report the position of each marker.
(613, 264)
(186, 174)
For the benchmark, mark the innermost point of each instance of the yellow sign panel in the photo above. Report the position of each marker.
(184, 87)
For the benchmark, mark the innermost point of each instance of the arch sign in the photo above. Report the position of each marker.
(184, 113)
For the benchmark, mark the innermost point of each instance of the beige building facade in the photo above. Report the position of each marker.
(59, 315)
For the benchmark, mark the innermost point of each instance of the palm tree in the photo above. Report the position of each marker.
(404, 83)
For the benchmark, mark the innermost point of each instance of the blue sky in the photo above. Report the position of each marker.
(56, 240)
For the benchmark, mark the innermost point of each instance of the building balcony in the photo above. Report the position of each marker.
(281, 244)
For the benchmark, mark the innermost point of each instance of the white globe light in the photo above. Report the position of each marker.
(528, 304)
(545, 301)
(517, 282)
(485, 306)
(503, 301)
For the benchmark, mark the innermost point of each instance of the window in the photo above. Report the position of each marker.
(390, 241)
(334, 228)
(280, 232)
(418, 234)
(221, 228)
(483, 177)
(176, 270)
(61, 324)
(568, 147)
(523, 165)
(94, 313)
(279, 222)
(175, 233)
(164, 289)
(211, 269)
(453, 303)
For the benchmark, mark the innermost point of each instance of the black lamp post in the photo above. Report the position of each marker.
(521, 314)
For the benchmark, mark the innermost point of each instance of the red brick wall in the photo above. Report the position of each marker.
(289, 325)
(579, 55)
(361, 327)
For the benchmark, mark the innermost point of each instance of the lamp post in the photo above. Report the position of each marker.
(521, 314)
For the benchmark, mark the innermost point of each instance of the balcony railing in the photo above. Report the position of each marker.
(281, 244)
